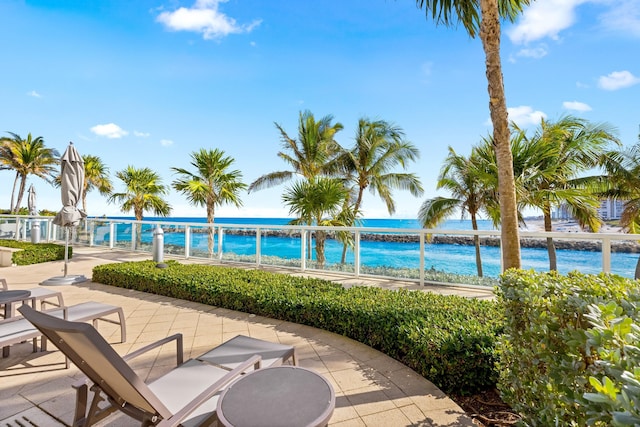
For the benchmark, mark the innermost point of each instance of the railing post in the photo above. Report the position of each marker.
(187, 241)
(421, 259)
(356, 253)
(133, 236)
(220, 237)
(112, 235)
(258, 246)
(606, 254)
(91, 232)
(49, 230)
(17, 233)
(303, 250)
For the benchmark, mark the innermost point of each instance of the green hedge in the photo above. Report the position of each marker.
(35, 253)
(450, 340)
(568, 341)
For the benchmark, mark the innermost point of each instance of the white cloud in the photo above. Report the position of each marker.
(617, 80)
(623, 17)
(205, 18)
(576, 106)
(34, 94)
(536, 52)
(110, 130)
(141, 134)
(544, 18)
(524, 115)
(166, 142)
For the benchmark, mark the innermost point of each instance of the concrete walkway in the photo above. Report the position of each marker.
(371, 388)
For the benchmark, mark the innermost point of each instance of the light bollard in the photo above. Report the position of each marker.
(35, 231)
(158, 247)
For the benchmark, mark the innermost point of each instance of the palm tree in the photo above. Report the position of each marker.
(483, 18)
(379, 150)
(564, 151)
(316, 202)
(464, 178)
(96, 176)
(313, 154)
(27, 157)
(143, 192)
(623, 183)
(212, 184)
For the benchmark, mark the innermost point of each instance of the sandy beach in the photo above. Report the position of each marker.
(566, 226)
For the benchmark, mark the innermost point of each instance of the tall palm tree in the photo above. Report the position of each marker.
(378, 152)
(212, 184)
(482, 17)
(312, 155)
(27, 157)
(96, 176)
(144, 191)
(565, 151)
(464, 178)
(318, 202)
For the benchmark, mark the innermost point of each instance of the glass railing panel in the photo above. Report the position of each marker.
(452, 259)
(199, 242)
(239, 244)
(280, 247)
(389, 254)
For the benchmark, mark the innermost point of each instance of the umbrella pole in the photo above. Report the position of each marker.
(66, 250)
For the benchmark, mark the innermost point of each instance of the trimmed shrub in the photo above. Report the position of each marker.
(560, 336)
(35, 253)
(450, 340)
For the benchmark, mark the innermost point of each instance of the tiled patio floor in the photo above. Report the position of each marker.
(371, 388)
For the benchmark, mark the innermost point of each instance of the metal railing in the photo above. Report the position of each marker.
(409, 254)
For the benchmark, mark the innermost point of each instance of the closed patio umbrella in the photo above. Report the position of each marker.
(71, 185)
(31, 201)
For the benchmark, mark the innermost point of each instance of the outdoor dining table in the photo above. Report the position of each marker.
(283, 396)
(7, 298)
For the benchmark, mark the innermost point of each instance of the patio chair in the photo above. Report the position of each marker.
(187, 395)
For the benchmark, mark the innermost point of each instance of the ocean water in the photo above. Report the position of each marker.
(458, 259)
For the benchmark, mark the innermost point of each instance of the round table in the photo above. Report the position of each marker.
(7, 298)
(282, 396)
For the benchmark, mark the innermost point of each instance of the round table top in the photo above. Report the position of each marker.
(10, 296)
(283, 396)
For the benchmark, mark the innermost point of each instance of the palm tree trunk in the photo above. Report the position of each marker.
(476, 242)
(551, 247)
(23, 185)
(490, 35)
(210, 219)
(320, 239)
(84, 198)
(637, 275)
(13, 193)
(138, 214)
(356, 208)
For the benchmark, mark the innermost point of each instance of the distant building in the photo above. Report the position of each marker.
(610, 209)
(561, 213)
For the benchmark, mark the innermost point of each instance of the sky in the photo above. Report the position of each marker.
(148, 82)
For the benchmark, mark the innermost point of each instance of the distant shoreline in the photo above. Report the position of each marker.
(566, 226)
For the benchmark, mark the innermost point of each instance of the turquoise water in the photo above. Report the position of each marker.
(457, 259)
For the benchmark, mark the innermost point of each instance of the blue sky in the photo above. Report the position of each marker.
(147, 82)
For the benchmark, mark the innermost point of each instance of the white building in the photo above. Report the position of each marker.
(610, 209)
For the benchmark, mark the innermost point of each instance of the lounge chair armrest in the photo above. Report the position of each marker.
(179, 348)
(178, 337)
(207, 394)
